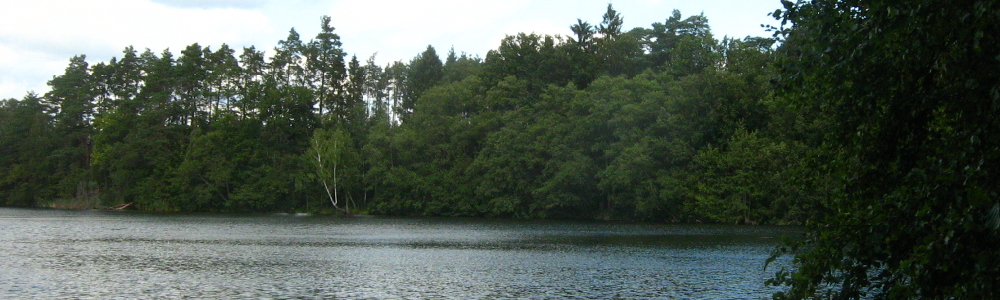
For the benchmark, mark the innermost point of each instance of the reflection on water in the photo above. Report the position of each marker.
(96, 254)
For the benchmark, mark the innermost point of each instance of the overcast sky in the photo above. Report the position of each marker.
(38, 37)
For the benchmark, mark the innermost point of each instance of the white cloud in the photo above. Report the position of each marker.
(24, 70)
(399, 30)
(50, 31)
(244, 4)
(95, 25)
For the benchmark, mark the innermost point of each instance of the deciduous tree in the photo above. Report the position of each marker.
(914, 94)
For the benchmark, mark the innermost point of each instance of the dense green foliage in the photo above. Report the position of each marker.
(911, 93)
(660, 123)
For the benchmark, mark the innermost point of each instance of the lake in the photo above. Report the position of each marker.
(105, 254)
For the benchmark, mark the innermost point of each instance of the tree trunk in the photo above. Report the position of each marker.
(336, 200)
(319, 163)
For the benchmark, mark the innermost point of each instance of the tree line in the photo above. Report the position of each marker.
(660, 123)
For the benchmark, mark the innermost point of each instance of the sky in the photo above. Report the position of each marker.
(38, 37)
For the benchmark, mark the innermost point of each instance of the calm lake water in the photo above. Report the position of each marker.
(99, 254)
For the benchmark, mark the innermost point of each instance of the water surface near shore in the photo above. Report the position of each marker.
(100, 254)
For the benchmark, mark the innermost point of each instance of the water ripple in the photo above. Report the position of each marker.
(100, 255)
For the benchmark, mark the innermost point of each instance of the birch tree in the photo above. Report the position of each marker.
(334, 156)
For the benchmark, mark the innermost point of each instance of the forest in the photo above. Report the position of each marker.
(660, 123)
(872, 124)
